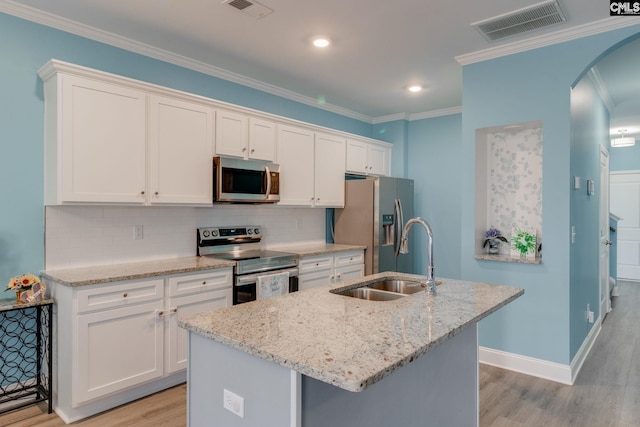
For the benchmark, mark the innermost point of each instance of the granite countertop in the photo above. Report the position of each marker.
(312, 249)
(135, 270)
(349, 342)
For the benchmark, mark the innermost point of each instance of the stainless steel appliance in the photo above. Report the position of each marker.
(245, 181)
(242, 245)
(374, 212)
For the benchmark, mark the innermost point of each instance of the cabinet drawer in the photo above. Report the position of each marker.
(317, 263)
(120, 294)
(200, 282)
(349, 258)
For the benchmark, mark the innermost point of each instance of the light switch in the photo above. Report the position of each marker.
(576, 182)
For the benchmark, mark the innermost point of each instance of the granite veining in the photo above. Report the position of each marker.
(349, 342)
(135, 270)
(319, 248)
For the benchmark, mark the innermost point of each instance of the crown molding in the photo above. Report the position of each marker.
(601, 88)
(73, 27)
(436, 113)
(390, 118)
(584, 30)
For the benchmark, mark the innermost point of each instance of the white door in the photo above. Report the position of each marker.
(605, 300)
(625, 203)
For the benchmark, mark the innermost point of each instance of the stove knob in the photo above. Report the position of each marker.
(205, 233)
(257, 231)
(214, 233)
(250, 231)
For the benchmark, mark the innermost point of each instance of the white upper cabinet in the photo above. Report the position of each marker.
(368, 158)
(295, 157)
(95, 142)
(329, 170)
(238, 135)
(312, 167)
(262, 139)
(231, 134)
(180, 152)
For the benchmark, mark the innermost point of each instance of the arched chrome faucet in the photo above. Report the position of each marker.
(404, 248)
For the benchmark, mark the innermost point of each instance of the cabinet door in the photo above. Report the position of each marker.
(231, 134)
(357, 156)
(313, 280)
(117, 349)
(348, 272)
(329, 170)
(295, 156)
(102, 132)
(262, 140)
(180, 152)
(379, 160)
(176, 337)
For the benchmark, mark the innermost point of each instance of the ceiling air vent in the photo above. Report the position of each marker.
(530, 18)
(249, 7)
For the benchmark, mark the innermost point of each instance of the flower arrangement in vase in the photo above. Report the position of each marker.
(493, 237)
(28, 288)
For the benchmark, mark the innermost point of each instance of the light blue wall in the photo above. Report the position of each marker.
(589, 130)
(528, 86)
(25, 47)
(433, 163)
(395, 132)
(625, 158)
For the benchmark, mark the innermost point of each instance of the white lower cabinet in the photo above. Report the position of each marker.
(320, 270)
(119, 341)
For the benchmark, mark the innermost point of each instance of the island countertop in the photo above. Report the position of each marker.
(349, 342)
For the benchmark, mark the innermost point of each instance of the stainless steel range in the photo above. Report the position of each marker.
(243, 245)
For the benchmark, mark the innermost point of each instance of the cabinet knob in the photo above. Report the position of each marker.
(244, 149)
(125, 295)
(142, 192)
(204, 283)
(318, 199)
(156, 193)
(253, 150)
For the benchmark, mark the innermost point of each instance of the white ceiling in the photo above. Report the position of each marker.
(378, 47)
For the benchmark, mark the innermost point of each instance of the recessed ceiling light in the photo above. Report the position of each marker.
(414, 88)
(321, 42)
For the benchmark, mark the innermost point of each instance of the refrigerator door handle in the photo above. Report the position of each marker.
(399, 223)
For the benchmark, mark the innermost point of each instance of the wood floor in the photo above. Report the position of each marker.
(606, 393)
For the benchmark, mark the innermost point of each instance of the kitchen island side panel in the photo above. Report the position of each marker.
(439, 388)
(265, 386)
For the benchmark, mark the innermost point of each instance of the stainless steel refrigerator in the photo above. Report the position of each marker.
(374, 213)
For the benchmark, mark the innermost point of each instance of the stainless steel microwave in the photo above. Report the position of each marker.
(245, 181)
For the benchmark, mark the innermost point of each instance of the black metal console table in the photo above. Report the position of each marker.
(26, 338)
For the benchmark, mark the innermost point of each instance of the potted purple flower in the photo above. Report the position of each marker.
(493, 237)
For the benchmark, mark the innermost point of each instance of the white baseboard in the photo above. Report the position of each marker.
(585, 349)
(564, 374)
(526, 365)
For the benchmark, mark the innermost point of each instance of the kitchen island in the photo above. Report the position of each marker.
(316, 358)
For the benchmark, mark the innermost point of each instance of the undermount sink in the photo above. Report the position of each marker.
(405, 287)
(383, 290)
(369, 294)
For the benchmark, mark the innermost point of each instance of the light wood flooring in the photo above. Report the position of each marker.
(606, 393)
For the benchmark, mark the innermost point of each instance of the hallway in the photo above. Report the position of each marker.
(606, 392)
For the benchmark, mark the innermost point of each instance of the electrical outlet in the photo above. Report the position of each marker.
(138, 232)
(573, 234)
(233, 403)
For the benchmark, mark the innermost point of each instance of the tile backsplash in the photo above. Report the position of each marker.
(81, 236)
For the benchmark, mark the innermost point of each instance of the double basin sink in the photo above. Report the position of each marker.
(383, 290)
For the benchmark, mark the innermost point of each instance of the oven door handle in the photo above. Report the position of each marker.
(252, 278)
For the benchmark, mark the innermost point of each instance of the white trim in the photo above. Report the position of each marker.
(526, 365)
(73, 27)
(585, 349)
(564, 374)
(295, 404)
(561, 36)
